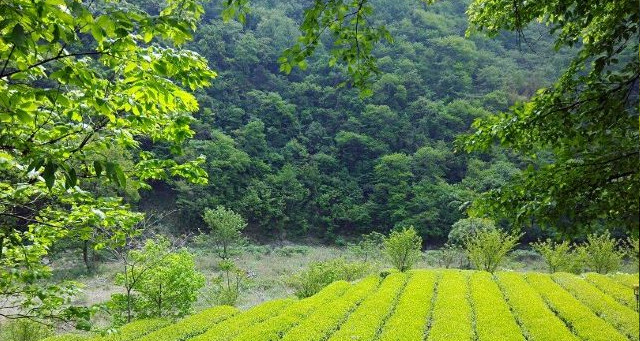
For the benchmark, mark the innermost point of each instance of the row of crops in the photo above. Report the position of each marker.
(428, 305)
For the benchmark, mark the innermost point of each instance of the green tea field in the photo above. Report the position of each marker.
(452, 305)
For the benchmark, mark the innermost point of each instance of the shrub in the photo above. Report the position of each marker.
(621, 317)
(225, 289)
(618, 291)
(369, 247)
(159, 282)
(288, 251)
(494, 321)
(319, 274)
(452, 323)
(582, 321)
(408, 321)
(226, 230)
(275, 328)
(134, 330)
(324, 322)
(557, 256)
(403, 248)
(488, 249)
(228, 329)
(192, 325)
(368, 318)
(531, 311)
(600, 253)
(23, 330)
(464, 229)
(449, 255)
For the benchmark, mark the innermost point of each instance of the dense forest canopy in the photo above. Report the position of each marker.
(299, 154)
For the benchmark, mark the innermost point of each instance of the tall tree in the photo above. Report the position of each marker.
(581, 134)
(78, 80)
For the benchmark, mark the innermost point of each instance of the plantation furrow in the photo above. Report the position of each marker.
(538, 322)
(191, 326)
(624, 319)
(452, 317)
(409, 320)
(493, 318)
(617, 290)
(366, 320)
(226, 330)
(580, 318)
(628, 280)
(275, 327)
(319, 325)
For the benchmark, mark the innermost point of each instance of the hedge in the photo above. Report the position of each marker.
(538, 322)
(365, 322)
(626, 279)
(493, 319)
(409, 321)
(607, 308)
(226, 330)
(452, 318)
(581, 319)
(192, 325)
(322, 323)
(275, 328)
(67, 337)
(134, 330)
(618, 291)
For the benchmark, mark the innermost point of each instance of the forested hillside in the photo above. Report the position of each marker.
(300, 153)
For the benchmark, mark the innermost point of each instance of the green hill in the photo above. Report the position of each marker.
(423, 305)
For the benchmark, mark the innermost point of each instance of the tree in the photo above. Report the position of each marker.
(78, 79)
(403, 248)
(226, 229)
(586, 123)
(488, 248)
(159, 281)
(467, 228)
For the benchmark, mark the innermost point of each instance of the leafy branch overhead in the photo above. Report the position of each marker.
(84, 86)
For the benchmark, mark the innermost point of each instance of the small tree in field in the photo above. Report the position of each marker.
(158, 282)
(488, 249)
(403, 248)
(601, 254)
(226, 233)
(557, 256)
(226, 229)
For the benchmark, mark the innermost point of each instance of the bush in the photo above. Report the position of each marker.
(403, 248)
(320, 274)
(600, 253)
(369, 247)
(23, 330)
(467, 228)
(557, 256)
(225, 289)
(488, 249)
(288, 251)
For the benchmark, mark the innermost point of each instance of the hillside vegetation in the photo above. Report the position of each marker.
(422, 305)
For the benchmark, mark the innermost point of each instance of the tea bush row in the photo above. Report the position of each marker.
(582, 321)
(493, 319)
(607, 308)
(409, 321)
(452, 324)
(322, 323)
(365, 322)
(537, 320)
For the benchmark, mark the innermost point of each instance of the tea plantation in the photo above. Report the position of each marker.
(447, 305)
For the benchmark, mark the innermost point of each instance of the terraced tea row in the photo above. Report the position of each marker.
(432, 305)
